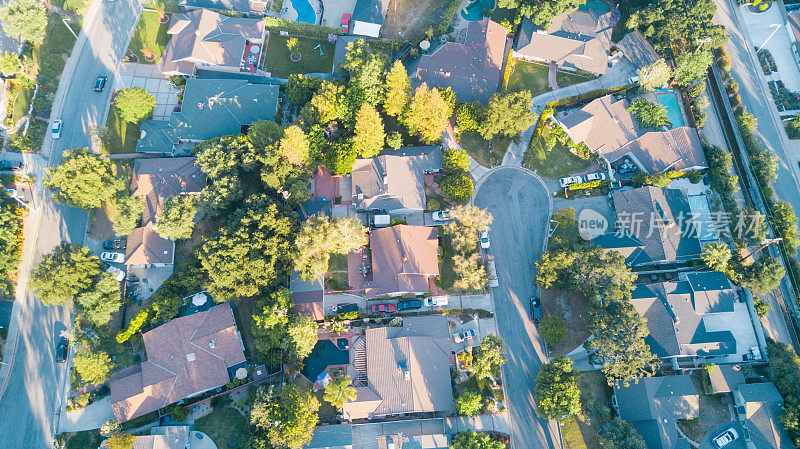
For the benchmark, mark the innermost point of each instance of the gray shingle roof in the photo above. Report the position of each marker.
(370, 11)
(638, 51)
(763, 407)
(724, 379)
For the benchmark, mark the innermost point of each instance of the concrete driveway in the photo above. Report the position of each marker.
(739, 443)
(520, 205)
(769, 30)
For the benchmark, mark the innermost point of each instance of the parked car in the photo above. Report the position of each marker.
(99, 83)
(10, 165)
(485, 239)
(599, 176)
(726, 437)
(55, 131)
(536, 309)
(11, 192)
(468, 334)
(117, 243)
(569, 180)
(119, 274)
(62, 348)
(343, 310)
(432, 301)
(492, 272)
(441, 215)
(409, 304)
(108, 256)
(384, 308)
(346, 22)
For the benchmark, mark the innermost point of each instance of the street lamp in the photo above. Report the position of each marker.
(777, 26)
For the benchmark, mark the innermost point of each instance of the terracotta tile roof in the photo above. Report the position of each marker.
(403, 259)
(185, 356)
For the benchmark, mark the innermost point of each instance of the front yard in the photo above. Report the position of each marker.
(485, 152)
(553, 164)
(316, 57)
(150, 36)
(713, 412)
(533, 77)
(121, 136)
(226, 427)
(582, 432)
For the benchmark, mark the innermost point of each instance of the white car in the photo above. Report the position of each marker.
(566, 182)
(119, 274)
(726, 437)
(441, 215)
(432, 301)
(599, 176)
(109, 256)
(485, 239)
(464, 335)
(55, 131)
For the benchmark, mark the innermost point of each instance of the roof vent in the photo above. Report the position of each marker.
(407, 374)
(190, 357)
(212, 343)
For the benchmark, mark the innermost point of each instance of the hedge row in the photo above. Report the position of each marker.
(304, 29)
(590, 184)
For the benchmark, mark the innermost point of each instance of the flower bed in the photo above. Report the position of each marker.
(784, 98)
(767, 62)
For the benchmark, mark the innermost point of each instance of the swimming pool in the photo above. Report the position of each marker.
(305, 12)
(596, 5)
(474, 11)
(670, 103)
(324, 354)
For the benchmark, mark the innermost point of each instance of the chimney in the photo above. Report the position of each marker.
(211, 343)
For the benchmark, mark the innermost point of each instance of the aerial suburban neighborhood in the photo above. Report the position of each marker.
(363, 224)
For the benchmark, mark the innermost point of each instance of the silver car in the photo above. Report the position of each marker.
(55, 131)
(726, 438)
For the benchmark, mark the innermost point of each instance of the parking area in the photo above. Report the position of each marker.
(150, 79)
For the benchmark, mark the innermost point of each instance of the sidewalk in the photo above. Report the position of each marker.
(88, 418)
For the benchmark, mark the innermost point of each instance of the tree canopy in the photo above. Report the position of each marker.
(288, 416)
(302, 332)
(557, 393)
(319, 237)
(398, 90)
(691, 66)
(300, 88)
(340, 391)
(649, 115)
(99, 302)
(508, 114)
(469, 439)
(64, 272)
(129, 212)
(764, 275)
(369, 132)
(135, 104)
(489, 357)
(655, 75)
(175, 220)
(94, 367)
(469, 403)
(25, 19)
(294, 145)
(428, 114)
(541, 12)
(622, 435)
(83, 179)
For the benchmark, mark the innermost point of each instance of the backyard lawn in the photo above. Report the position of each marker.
(226, 427)
(167, 5)
(337, 272)
(533, 77)
(122, 136)
(277, 61)
(149, 34)
(556, 163)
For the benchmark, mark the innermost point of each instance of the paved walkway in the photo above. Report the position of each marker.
(88, 418)
(551, 76)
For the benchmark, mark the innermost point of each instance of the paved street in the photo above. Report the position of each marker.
(32, 391)
(521, 207)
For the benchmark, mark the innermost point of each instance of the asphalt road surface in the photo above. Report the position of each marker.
(36, 386)
(520, 205)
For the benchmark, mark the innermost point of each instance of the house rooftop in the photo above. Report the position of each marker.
(638, 51)
(761, 406)
(404, 258)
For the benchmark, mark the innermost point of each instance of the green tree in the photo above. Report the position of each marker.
(10, 63)
(294, 145)
(469, 404)
(649, 115)
(654, 75)
(557, 393)
(25, 20)
(120, 440)
(135, 104)
(764, 275)
(762, 307)
(692, 66)
(398, 90)
(469, 117)
(129, 211)
(455, 160)
(319, 237)
(784, 222)
(469, 439)
(365, 68)
(293, 408)
(597, 274)
(175, 220)
(716, 255)
(64, 273)
(457, 187)
(394, 140)
(470, 273)
(93, 366)
(327, 101)
(467, 222)
(622, 435)
(302, 331)
(552, 329)
(300, 88)
(340, 391)
(293, 44)
(508, 114)
(369, 132)
(101, 301)
(541, 12)
(83, 179)
(674, 27)
(262, 133)
(340, 158)
(269, 323)
(489, 357)
(427, 115)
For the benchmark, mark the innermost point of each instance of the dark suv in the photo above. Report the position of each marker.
(346, 311)
(100, 83)
(62, 348)
(536, 309)
(409, 304)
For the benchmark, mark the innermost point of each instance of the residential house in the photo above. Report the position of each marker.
(394, 181)
(695, 317)
(725, 378)
(608, 129)
(654, 226)
(404, 261)
(211, 108)
(635, 48)
(154, 180)
(407, 370)
(368, 17)
(472, 68)
(653, 405)
(168, 437)
(250, 8)
(346, 436)
(206, 39)
(576, 40)
(308, 296)
(185, 357)
(760, 407)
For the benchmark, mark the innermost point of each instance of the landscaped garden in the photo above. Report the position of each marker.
(150, 37)
(534, 77)
(316, 56)
(549, 155)
(226, 427)
(485, 152)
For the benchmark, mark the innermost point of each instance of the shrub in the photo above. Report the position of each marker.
(138, 321)
(179, 413)
(469, 116)
(304, 29)
(552, 330)
(433, 204)
(457, 187)
(455, 160)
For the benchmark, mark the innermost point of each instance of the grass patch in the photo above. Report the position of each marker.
(83, 440)
(277, 57)
(226, 427)
(447, 276)
(567, 79)
(77, 6)
(149, 33)
(553, 164)
(22, 102)
(571, 434)
(166, 5)
(485, 152)
(122, 136)
(529, 76)
(59, 38)
(337, 273)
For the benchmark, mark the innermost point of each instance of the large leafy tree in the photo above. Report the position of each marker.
(621, 435)
(489, 357)
(674, 26)
(175, 221)
(287, 416)
(269, 324)
(340, 157)
(129, 211)
(340, 391)
(9, 247)
(552, 329)
(467, 222)
(64, 273)
(649, 115)
(655, 75)
(365, 68)
(469, 403)
(716, 255)
(99, 302)
(93, 366)
(301, 88)
(369, 132)
(135, 104)
(455, 160)
(469, 439)
(764, 275)
(398, 90)
(294, 145)
(427, 115)
(83, 179)
(457, 187)
(25, 19)
(595, 273)
(508, 114)
(784, 221)
(250, 251)
(541, 12)
(229, 162)
(327, 101)
(557, 393)
(10, 63)
(302, 335)
(470, 273)
(691, 66)
(320, 237)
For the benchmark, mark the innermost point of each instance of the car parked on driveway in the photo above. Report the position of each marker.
(108, 256)
(409, 304)
(441, 215)
(55, 130)
(432, 301)
(99, 83)
(569, 180)
(726, 437)
(384, 308)
(468, 334)
(599, 176)
(117, 243)
(118, 274)
(62, 349)
(485, 239)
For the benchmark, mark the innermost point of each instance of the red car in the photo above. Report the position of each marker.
(384, 308)
(346, 23)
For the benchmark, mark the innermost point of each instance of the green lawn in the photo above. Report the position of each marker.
(167, 5)
(554, 164)
(122, 136)
(226, 427)
(486, 153)
(277, 61)
(59, 38)
(533, 77)
(150, 34)
(572, 436)
(77, 6)
(84, 440)
(337, 272)
(22, 103)
(567, 79)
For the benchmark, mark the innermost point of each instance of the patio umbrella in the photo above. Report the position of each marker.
(324, 378)
(241, 373)
(199, 299)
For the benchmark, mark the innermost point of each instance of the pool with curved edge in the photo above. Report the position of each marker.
(474, 11)
(305, 12)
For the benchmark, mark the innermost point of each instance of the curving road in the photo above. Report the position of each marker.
(521, 206)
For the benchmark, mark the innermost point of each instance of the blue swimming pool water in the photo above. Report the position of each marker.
(305, 12)
(324, 354)
(670, 103)
(596, 5)
(474, 11)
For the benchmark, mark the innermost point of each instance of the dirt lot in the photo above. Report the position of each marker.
(569, 306)
(713, 412)
(411, 18)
